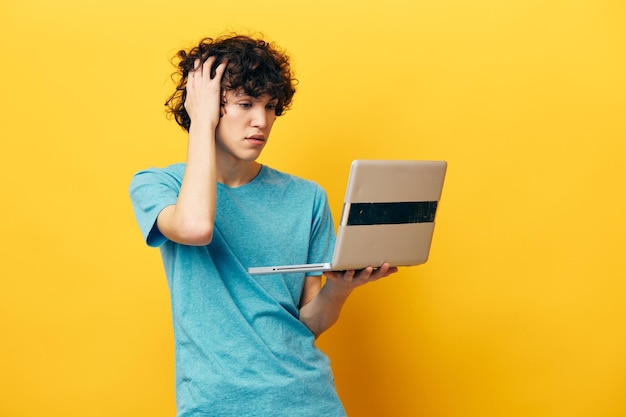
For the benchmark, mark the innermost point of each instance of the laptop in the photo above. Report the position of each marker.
(388, 216)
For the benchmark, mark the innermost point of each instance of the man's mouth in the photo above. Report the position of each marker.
(256, 139)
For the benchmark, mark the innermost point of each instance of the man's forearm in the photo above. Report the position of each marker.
(190, 220)
(323, 311)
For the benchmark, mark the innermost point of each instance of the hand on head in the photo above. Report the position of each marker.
(203, 99)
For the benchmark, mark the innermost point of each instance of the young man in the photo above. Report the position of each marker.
(245, 346)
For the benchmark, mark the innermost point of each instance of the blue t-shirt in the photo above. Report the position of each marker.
(241, 349)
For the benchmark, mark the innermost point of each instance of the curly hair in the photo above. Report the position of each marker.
(255, 66)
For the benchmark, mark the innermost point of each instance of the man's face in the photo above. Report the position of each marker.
(245, 125)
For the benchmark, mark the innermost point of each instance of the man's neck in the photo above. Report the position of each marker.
(238, 174)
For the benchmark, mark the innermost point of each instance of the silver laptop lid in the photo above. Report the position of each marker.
(389, 213)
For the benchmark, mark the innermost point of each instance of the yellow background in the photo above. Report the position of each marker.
(521, 309)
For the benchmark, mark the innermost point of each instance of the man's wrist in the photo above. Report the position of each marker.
(336, 291)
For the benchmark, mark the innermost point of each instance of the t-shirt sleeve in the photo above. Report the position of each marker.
(150, 192)
(322, 242)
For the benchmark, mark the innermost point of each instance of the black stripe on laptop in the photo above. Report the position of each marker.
(364, 214)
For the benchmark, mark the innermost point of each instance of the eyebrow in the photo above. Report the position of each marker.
(243, 94)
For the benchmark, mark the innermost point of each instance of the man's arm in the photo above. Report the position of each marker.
(320, 306)
(190, 220)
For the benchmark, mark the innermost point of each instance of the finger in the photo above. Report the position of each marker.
(197, 65)
(190, 82)
(206, 67)
(333, 275)
(384, 271)
(219, 71)
(192, 74)
(371, 274)
(365, 273)
(349, 275)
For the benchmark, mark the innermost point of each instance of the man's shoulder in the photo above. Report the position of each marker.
(175, 171)
(272, 175)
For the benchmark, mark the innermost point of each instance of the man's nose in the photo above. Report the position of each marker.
(260, 117)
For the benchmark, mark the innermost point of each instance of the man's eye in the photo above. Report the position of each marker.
(271, 107)
(245, 105)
